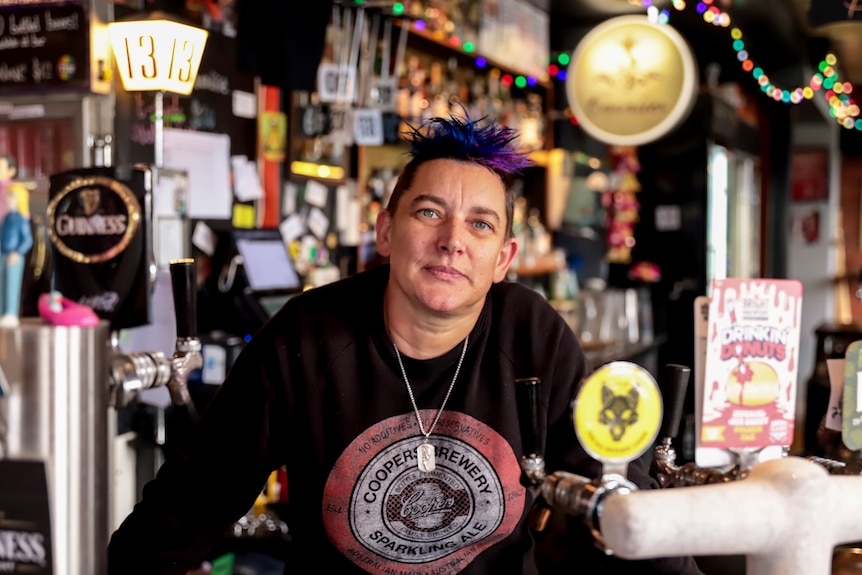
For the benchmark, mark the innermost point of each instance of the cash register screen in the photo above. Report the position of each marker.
(267, 264)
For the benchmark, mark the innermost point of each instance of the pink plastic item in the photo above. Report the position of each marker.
(59, 310)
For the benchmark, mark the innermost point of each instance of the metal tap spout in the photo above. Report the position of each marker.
(187, 359)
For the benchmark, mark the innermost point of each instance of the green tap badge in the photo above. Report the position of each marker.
(851, 403)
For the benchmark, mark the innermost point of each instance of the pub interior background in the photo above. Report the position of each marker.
(297, 187)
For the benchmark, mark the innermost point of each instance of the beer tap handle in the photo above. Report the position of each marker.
(187, 356)
(528, 414)
(185, 297)
(673, 383)
(532, 462)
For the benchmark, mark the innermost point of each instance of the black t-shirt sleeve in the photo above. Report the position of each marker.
(208, 482)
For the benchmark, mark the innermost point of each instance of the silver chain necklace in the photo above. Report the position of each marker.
(425, 452)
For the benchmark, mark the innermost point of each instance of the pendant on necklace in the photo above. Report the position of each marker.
(425, 457)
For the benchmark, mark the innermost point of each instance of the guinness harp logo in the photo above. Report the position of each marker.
(93, 219)
(89, 200)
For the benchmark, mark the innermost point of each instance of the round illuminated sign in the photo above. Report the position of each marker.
(631, 81)
(93, 219)
(618, 412)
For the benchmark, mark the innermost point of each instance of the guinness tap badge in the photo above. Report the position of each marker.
(93, 219)
(99, 233)
(631, 81)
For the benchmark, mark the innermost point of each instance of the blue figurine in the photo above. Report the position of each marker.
(16, 239)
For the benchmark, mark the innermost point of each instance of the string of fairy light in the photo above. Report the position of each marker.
(836, 92)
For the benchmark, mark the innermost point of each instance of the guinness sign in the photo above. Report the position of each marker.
(93, 219)
(98, 229)
(631, 81)
(25, 520)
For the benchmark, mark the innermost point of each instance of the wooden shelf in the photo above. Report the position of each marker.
(545, 264)
(435, 44)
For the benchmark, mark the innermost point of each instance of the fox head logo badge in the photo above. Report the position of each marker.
(618, 412)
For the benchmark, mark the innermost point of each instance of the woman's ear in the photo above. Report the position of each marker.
(383, 231)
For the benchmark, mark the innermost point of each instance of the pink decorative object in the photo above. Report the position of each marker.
(59, 310)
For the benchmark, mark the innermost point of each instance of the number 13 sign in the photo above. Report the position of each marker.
(157, 54)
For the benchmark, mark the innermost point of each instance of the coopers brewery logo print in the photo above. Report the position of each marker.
(426, 515)
(394, 518)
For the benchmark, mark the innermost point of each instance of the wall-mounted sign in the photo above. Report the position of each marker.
(44, 47)
(631, 81)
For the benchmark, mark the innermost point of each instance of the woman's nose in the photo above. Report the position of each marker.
(451, 238)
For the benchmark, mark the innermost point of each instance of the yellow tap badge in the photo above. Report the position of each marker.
(618, 412)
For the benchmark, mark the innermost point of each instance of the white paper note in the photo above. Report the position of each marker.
(206, 158)
(318, 223)
(316, 194)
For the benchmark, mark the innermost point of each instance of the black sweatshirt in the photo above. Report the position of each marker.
(319, 390)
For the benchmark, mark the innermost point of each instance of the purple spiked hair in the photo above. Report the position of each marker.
(480, 142)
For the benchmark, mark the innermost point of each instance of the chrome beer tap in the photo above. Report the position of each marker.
(187, 356)
(673, 382)
(132, 373)
(604, 409)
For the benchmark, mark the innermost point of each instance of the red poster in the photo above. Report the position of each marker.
(809, 175)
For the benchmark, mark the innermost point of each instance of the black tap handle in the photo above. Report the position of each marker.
(185, 297)
(528, 413)
(674, 380)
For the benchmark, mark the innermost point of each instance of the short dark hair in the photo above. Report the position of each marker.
(480, 142)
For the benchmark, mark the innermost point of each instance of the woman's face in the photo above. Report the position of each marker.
(447, 241)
